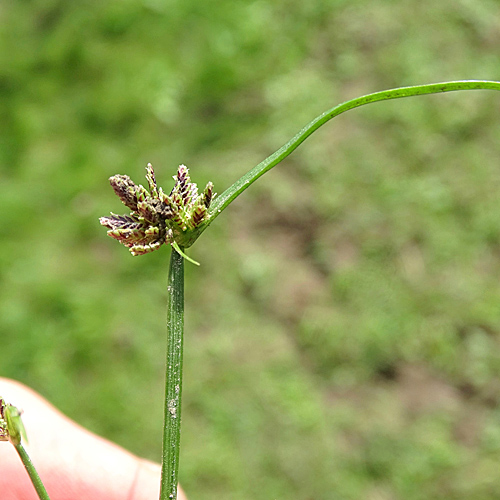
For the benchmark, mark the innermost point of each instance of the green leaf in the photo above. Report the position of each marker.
(222, 201)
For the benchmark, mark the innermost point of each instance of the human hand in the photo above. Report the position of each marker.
(73, 463)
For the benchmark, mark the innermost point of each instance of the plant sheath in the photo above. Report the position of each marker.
(173, 388)
(33, 474)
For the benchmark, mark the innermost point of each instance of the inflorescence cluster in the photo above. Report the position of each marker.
(11, 425)
(156, 217)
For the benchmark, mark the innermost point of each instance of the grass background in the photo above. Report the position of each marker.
(342, 333)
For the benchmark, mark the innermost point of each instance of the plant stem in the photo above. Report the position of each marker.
(222, 201)
(33, 474)
(173, 385)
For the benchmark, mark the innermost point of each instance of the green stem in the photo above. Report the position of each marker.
(33, 474)
(222, 201)
(173, 387)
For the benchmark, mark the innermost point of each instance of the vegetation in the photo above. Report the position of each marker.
(342, 330)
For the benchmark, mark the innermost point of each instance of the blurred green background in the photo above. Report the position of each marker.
(342, 332)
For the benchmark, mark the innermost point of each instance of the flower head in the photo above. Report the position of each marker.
(156, 217)
(11, 425)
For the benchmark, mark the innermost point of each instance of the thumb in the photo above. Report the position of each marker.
(72, 462)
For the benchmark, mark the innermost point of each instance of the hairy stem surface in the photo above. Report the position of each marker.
(173, 388)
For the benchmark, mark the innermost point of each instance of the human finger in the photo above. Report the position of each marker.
(72, 462)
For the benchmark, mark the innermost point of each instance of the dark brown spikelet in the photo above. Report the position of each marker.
(164, 210)
(128, 192)
(151, 178)
(208, 194)
(147, 211)
(198, 215)
(144, 249)
(183, 183)
(129, 237)
(120, 222)
(176, 201)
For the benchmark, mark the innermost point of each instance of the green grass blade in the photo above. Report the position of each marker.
(222, 201)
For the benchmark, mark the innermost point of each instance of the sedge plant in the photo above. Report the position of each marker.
(180, 217)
